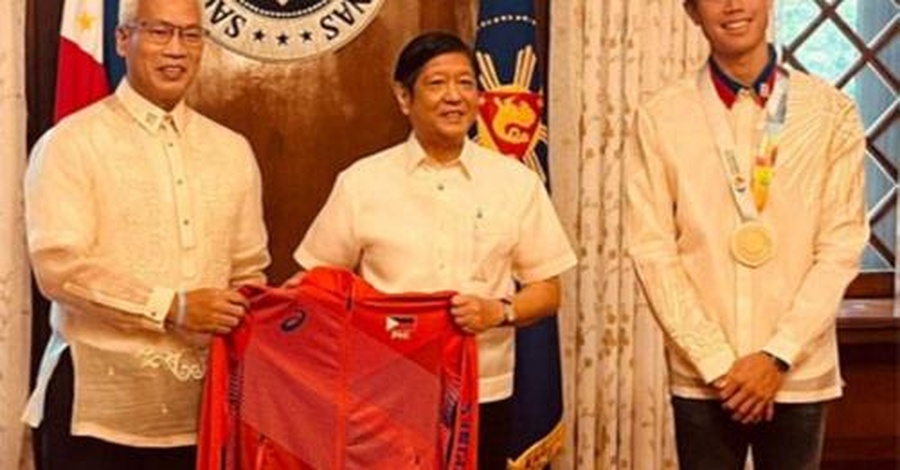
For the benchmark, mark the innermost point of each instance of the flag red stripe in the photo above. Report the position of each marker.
(80, 80)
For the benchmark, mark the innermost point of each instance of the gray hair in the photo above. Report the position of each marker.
(128, 10)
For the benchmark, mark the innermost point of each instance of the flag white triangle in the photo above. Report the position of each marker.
(82, 24)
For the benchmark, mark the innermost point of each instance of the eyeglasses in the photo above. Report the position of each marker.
(161, 32)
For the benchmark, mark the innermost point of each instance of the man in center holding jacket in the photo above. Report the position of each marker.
(438, 212)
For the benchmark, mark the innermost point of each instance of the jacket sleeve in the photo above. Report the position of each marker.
(841, 237)
(249, 253)
(651, 238)
(60, 222)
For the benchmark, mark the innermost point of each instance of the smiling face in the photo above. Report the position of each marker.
(161, 73)
(735, 28)
(443, 101)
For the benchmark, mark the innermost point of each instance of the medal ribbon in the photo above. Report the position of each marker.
(763, 169)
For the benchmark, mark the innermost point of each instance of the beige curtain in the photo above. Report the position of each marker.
(15, 298)
(606, 56)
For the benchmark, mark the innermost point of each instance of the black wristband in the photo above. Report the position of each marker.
(780, 364)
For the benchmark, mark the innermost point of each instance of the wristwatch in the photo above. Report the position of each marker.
(780, 364)
(509, 312)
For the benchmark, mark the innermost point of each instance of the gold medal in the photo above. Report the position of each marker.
(752, 244)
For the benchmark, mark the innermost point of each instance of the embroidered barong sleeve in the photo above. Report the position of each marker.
(840, 239)
(249, 250)
(652, 233)
(61, 232)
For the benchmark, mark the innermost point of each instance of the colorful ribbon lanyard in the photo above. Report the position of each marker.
(764, 161)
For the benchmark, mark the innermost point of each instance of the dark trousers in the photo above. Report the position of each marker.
(707, 438)
(60, 450)
(495, 426)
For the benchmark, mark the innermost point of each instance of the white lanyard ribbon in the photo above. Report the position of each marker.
(714, 109)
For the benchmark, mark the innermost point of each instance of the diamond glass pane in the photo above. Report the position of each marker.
(830, 54)
(890, 55)
(888, 143)
(867, 18)
(794, 16)
(879, 185)
(885, 228)
(873, 262)
(871, 94)
(827, 53)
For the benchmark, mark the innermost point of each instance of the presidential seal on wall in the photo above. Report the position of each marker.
(282, 30)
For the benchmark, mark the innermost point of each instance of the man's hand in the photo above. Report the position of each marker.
(294, 280)
(474, 314)
(209, 310)
(749, 387)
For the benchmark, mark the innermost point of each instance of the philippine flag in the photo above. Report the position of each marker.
(81, 78)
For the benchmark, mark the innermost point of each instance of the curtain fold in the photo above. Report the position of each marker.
(605, 57)
(15, 297)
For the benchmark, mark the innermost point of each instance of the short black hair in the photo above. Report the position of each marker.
(423, 48)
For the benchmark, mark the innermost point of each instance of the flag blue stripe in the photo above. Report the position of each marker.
(114, 65)
(504, 28)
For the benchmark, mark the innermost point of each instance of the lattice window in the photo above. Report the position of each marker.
(854, 44)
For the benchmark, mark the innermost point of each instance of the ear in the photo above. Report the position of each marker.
(403, 96)
(122, 37)
(690, 7)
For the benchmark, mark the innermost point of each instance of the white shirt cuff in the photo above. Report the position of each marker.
(158, 306)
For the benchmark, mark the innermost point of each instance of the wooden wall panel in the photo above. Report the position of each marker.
(308, 120)
(864, 426)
